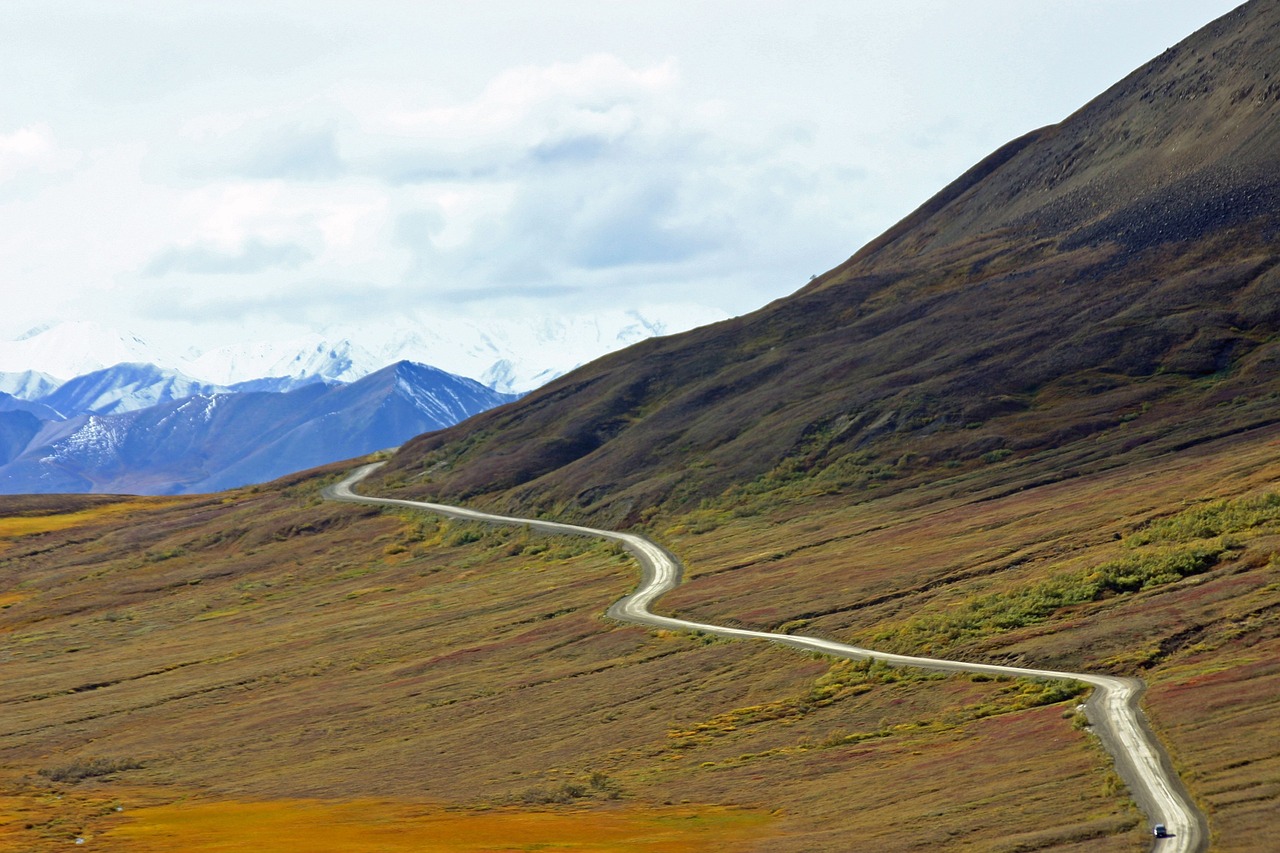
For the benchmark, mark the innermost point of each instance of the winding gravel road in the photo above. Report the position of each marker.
(1112, 709)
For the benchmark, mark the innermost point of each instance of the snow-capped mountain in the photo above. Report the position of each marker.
(73, 348)
(137, 418)
(123, 388)
(508, 355)
(215, 441)
(518, 356)
(28, 384)
(301, 360)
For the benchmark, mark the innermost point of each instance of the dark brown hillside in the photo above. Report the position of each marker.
(1116, 269)
(1183, 146)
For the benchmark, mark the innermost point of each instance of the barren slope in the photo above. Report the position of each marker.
(1120, 261)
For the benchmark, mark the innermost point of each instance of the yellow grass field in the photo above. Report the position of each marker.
(16, 526)
(319, 826)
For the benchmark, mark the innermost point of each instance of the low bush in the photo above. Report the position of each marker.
(88, 768)
(1018, 607)
(1210, 520)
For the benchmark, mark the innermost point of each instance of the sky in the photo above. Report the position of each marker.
(208, 173)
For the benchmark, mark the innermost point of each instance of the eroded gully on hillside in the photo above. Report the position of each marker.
(1112, 708)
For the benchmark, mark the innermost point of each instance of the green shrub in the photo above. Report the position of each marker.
(1210, 520)
(995, 613)
(465, 537)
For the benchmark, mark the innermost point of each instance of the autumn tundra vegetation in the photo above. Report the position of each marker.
(1034, 423)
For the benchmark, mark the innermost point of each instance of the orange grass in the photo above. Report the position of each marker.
(320, 826)
(16, 526)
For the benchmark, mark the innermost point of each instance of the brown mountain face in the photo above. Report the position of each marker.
(1100, 287)
(1181, 147)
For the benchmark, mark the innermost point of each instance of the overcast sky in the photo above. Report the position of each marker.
(216, 171)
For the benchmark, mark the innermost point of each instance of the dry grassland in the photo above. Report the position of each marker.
(267, 646)
(882, 572)
(33, 515)
(324, 826)
(264, 650)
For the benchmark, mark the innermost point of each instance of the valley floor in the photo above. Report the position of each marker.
(265, 646)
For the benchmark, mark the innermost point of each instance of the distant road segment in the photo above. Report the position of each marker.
(1112, 709)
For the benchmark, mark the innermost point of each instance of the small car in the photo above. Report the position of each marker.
(1160, 831)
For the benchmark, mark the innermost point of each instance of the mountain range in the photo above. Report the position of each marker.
(125, 420)
(509, 356)
(114, 426)
(137, 428)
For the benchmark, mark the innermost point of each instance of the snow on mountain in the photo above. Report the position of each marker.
(73, 348)
(439, 395)
(507, 355)
(97, 442)
(303, 358)
(505, 375)
(28, 384)
(124, 388)
(518, 356)
(511, 356)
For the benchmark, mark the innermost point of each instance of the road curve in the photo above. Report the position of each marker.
(1112, 709)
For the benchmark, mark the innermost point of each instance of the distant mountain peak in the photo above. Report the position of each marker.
(73, 348)
(28, 384)
(124, 387)
(209, 440)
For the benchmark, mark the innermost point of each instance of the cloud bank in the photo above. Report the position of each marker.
(223, 168)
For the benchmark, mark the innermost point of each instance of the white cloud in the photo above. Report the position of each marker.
(296, 162)
(252, 256)
(589, 95)
(32, 148)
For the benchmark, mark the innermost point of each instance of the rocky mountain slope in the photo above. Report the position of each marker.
(124, 388)
(1117, 267)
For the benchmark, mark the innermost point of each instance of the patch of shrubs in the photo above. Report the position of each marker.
(88, 768)
(597, 785)
(1018, 607)
(466, 537)
(1210, 520)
